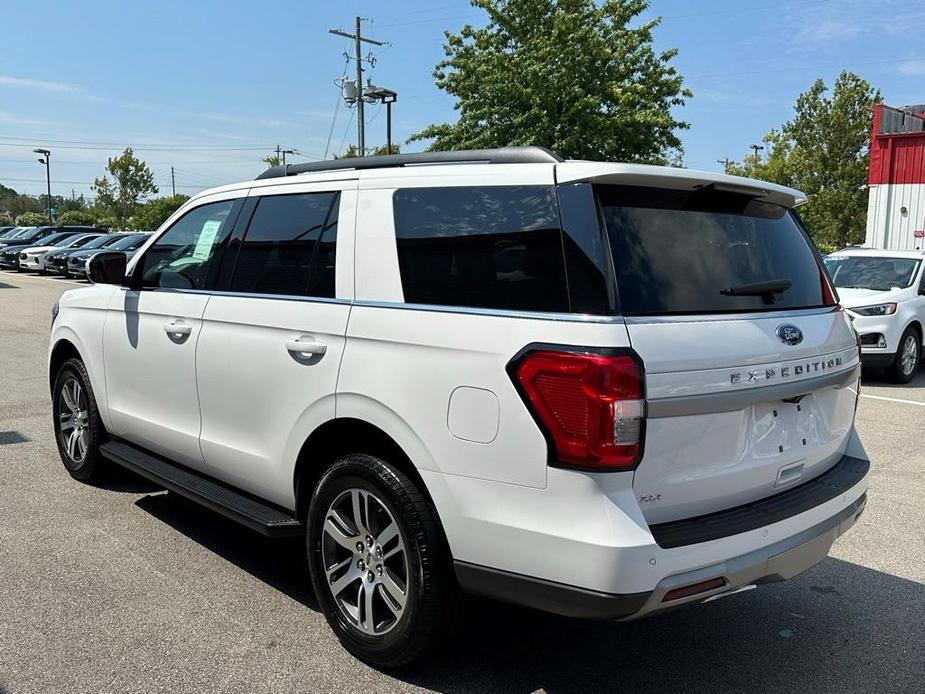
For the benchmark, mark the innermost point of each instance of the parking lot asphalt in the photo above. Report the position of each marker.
(125, 588)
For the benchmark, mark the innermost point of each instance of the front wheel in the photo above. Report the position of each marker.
(906, 362)
(78, 428)
(378, 561)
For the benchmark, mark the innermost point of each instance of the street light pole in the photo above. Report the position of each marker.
(47, 162)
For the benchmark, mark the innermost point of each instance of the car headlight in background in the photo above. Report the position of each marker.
(878, 310)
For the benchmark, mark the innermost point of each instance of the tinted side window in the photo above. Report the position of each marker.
(289, 246)
(183, 256)
(495, 247)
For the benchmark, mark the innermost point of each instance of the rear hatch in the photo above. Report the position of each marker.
(751, 367)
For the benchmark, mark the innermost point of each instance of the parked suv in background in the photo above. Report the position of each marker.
(45, 239)
(127, 243)
(884, 292)
(601, 390)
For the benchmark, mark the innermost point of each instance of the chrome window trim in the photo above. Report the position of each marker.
(532, 315)
(250, 295)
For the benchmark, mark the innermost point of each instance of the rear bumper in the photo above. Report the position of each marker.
(582, 548)
(777, 562)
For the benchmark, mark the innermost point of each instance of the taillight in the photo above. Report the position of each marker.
(590, 405)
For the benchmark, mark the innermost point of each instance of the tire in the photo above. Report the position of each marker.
(79, 451)
(380, 635)
(908, 354)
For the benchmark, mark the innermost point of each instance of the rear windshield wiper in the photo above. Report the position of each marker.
(767, 290)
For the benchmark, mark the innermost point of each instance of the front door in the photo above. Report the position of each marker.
(152, 330)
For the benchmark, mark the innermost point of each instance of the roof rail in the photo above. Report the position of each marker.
(502, 155)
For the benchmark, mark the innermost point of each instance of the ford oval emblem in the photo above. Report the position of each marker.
(789, 334)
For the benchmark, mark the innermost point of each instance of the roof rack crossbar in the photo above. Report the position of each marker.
(502, 155)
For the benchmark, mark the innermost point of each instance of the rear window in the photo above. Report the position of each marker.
(706, 251)
(493, 247)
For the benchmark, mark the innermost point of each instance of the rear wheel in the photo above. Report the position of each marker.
(379, 564)
(906, 362)
(78, 428)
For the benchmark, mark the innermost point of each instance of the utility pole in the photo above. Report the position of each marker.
(278, 148)
(358, 40)
(47, 162)
(284, 153)
(727, 162)
(173, 182)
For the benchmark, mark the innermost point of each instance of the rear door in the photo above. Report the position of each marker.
(751, 368)
(272, 339)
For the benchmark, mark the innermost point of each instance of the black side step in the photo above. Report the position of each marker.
(245, 509)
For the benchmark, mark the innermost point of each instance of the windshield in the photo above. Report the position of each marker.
(81, 241)
(707, 251)
(125, 243)
(871, 272)
(10, 233)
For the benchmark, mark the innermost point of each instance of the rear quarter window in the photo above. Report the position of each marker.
(683, 251)
(492, 247)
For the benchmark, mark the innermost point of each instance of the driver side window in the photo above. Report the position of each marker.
(184, 255)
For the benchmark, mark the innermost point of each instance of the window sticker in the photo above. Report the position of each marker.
(206, 239)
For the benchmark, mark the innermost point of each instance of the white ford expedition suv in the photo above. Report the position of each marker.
(601, 390)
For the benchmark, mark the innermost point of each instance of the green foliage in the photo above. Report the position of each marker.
(155, 212)
(6, 220)
(577, 76)
(132, 182)
(824, 151)
(15, 203)
(108, 223)
(377, 151)
(272, 160)
(76, 218)
(31, 219)
(63, 204)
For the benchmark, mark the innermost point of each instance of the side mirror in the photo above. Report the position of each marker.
(107, 267)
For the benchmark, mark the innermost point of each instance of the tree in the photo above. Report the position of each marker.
(571, 75)
(76, 218)
(32, 219)
(155, 212)
(132, 182)
(272, 160)
(108, 223)
(824, 151)
(6, 220)
(63, 204)
(378, 151)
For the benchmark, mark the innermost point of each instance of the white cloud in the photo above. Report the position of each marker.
(26, 83)
(913, 67)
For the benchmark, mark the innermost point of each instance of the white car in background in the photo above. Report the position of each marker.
(884, 292)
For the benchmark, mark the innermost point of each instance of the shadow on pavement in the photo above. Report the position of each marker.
(870, 377)
(118, 479)
(280, 563)
(838, 627)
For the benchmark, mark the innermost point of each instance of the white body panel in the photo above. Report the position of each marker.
(888, 227)
(151, 372)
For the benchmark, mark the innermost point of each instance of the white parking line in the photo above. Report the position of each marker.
(900, 400)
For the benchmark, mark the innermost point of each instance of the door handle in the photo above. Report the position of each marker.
(306, 345)
(177, 327)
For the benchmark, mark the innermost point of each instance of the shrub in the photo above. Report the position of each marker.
(76, 218)
(31, 219)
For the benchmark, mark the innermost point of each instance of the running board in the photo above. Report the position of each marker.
(245, 509)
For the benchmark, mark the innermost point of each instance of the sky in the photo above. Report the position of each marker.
(211, 87)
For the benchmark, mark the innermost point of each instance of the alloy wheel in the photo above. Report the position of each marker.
(365, 561)
(909, 355)
(74, 420)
